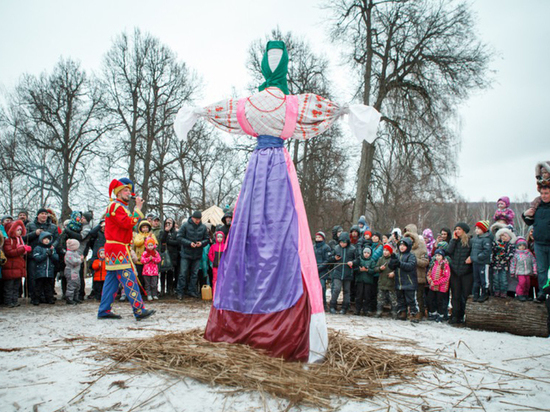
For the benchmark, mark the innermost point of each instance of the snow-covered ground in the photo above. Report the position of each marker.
(47, 372)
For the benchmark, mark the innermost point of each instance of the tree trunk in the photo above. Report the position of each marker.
(367, 152)
(363, 179)
(508, 315)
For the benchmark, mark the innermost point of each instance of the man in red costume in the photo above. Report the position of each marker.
(119, 222)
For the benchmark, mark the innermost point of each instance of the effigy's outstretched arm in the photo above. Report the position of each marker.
(222, 114)
(317, 114)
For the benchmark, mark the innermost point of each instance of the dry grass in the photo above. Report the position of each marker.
(353, 368)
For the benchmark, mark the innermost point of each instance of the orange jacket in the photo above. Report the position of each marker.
(100, 270)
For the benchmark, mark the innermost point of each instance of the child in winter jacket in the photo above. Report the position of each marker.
(215, 254)
(523, 266)
(144, 232)
(503, 252)
(438, 279)
(15, 268)
(406, 280)
(481, 257)
(365, 240)
(386, 283)
(45, 258)
(364, 282)
(73, 260)
(503, 213)
(100, 272)
(342, 275)
(150, 260)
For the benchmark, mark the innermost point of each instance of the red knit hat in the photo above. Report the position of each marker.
(388, 247)
(483, 225)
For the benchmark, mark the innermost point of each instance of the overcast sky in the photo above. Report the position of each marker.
(504, 129)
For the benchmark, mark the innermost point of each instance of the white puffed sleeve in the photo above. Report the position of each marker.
(363, 121)
(186, 119)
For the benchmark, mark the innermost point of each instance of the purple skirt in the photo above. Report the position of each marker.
(260, 271)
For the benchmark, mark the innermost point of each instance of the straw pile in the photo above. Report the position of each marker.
(353, 368)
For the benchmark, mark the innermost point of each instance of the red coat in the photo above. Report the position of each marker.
(119, 224)
(15, 250)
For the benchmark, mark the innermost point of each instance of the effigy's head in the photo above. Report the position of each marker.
(275, 66)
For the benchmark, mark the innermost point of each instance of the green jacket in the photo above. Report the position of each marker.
(362, 275)
(384, 281)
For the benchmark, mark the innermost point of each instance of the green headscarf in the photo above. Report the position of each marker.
(278, 77)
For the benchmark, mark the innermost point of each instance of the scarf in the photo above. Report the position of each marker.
(275, 78)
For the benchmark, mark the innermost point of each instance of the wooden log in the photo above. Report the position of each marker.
(507, 315)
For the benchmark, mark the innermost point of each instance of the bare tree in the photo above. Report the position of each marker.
(56, 118)
(416, 60)
(145, 86)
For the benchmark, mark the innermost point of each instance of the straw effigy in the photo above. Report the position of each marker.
(353, 368)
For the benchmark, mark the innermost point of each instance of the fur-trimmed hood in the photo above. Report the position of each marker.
(12, 227)
(509, 232)
(495, 227)
(418, 245)
(143, 223)
(411, 228)
(540, 165)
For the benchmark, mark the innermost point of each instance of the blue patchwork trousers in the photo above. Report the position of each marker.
(126, 278)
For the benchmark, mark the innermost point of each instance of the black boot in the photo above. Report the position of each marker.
(110, 315)
(145, 313)
(70, 301)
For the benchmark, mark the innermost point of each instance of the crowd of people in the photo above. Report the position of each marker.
(414, 274)
(417, 274)
(168, 259)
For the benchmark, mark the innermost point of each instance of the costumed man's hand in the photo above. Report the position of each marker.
(383, 267)
(139, 202)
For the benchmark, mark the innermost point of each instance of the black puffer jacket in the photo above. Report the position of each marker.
(404, 266)
(323, 253)
(97, 241)
(32, 227)
(459, 253)
(192, 233)
(541, 224)
(169, 241)
(481, 249)
(45, 258)
(347, 254)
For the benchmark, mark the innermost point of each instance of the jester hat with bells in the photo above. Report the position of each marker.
(118, 184)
